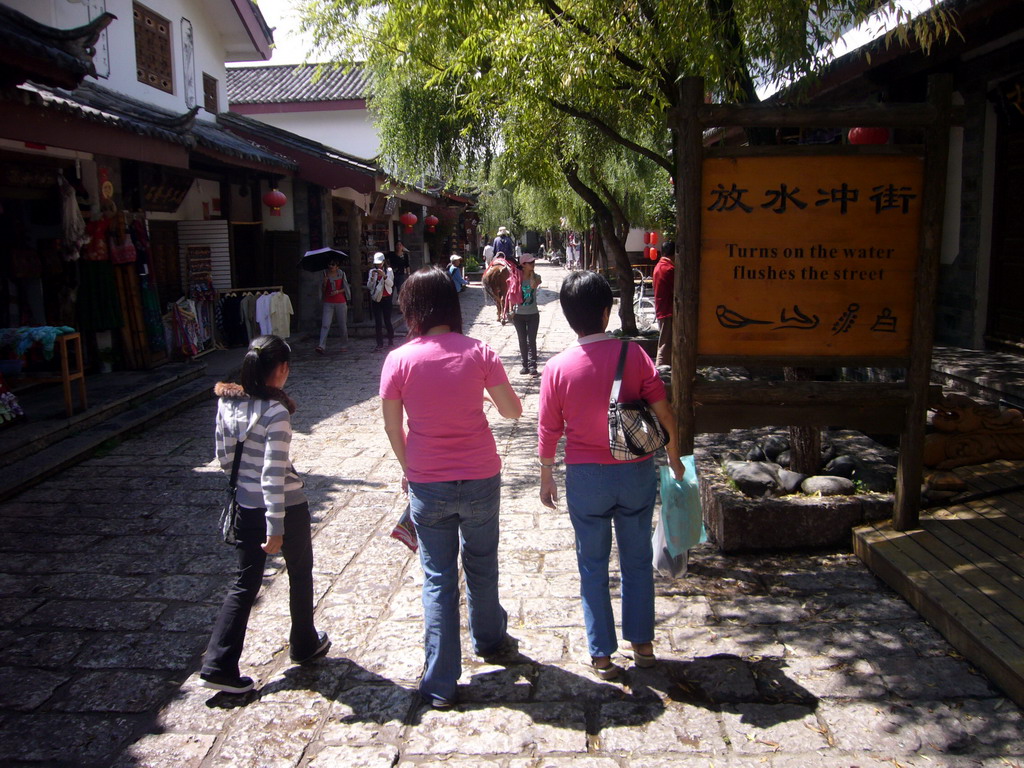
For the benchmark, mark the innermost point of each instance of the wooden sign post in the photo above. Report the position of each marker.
(809, 257)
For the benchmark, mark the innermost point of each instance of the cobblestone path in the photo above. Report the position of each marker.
(111, 574)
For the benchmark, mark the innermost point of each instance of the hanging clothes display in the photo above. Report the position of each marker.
(281, 314)
(186, 327)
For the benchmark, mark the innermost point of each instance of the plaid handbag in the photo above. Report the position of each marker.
(633, 430)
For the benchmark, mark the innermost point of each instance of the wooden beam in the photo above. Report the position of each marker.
(826, 115)
(689, 156)
(907, 504)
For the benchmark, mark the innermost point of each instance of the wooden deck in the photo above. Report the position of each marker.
(963, 570)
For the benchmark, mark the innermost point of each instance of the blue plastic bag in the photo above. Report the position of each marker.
(681, 524)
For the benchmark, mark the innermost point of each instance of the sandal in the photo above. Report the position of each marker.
(644, 660)
(606, 672)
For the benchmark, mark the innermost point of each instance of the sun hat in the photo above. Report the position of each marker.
(502, 230)
(455, 257)
(527, 258)
(378, 258)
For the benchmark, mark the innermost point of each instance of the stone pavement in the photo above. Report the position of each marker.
(111, 575)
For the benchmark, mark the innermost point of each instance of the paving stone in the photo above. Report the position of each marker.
(166, 750)
(269, 735)
(193, 619)
(191, 589)
(745, 642)
(994, 723)
(500, 730)
(90, 739)
(94, 615)
(772, 728)
(383, 756)
(141, 650)
(642, 728)
(895, 728)
(113, 691)
(23, 690)
(368, 714)
(51, 650)
(760, 610)
(822, 677)
(550, 761)
(933, 678)
(84, 586)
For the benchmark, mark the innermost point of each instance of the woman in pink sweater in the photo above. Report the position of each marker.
(601, 491)
(439, 381)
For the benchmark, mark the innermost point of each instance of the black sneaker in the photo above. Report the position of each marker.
(226, 684)
(322, 649)
(533, 372)
(524, 370)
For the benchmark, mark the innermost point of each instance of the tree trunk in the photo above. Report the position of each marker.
(615, 248)
(804, 442)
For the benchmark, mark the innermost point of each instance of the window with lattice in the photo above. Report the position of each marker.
(210, 93)
(153, 49)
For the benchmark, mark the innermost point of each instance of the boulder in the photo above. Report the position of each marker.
(827, 485)
(842, 466)
(879, 478)
(773, 446)
(790, 482)
(756, 454)
(753, 478)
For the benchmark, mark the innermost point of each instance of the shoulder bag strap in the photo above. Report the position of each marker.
(617, 384)
(233, 482)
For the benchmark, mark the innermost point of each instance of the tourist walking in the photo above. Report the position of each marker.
(439, 380)
(505, 247)
(336, 294)
(663, 279)
(601, 491)
(526, 316)
(254, 433)
(381, 285)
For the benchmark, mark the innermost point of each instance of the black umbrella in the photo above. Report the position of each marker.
(314, 261)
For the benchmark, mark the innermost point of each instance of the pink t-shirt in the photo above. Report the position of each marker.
(441, 381)
(574, 395)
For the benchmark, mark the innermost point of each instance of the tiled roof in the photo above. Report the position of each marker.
(100, 105)
(267, 132)
(276, 84)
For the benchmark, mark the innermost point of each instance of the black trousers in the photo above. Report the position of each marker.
(526, 329)
(225, 647)
(381, 311)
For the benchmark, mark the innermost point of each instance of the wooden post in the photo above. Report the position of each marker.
(909, 471)
(689, 154)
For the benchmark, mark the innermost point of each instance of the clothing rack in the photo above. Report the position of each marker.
(259, 289)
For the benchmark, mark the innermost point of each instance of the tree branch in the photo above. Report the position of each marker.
(559, 16)
(614, 135)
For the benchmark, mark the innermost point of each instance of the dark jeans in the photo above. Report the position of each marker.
(526, 328)
(381, 311)
(225, 648)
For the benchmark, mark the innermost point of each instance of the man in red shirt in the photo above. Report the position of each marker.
(664, 278)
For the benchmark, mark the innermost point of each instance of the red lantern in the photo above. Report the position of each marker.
(654, 238)
(408, 220)
(275, 201)
(431, 222)
(868, 135)
(647, 238)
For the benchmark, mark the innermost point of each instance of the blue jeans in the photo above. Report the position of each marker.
(599, 495)
(446, 514)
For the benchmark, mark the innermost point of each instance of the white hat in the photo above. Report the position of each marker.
(502, 230)
(455, 257)
(378, 258)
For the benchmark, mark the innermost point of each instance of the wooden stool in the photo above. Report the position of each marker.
(67, 373)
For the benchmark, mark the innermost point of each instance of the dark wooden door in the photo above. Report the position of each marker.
(164, 265)
(1006, 276)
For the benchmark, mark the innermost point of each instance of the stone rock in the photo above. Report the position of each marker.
(784, 458)
(828, 451)
(879, 478)
(842, 466)
(773, 446)
(828, 485)
(790, 482)
(756, 454)
(753, 478)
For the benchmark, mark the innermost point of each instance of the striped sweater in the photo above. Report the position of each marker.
(266, 477)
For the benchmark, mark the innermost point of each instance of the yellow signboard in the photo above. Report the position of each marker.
(809, 256)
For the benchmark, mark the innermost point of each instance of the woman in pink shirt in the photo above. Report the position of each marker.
(602, 491)
(439, 380)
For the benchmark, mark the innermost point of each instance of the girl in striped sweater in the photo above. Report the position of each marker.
(273, 512)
